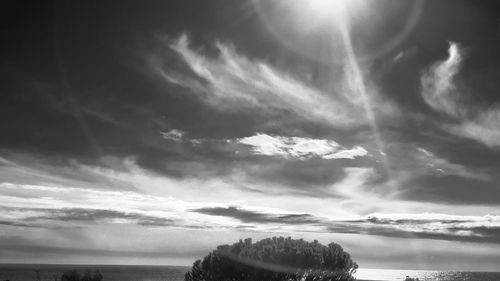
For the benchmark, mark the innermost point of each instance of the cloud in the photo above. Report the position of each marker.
(438, 86)
(434, 226)
(297, 147)
(231, 82)
(269, 145)
(97, 215)
(248, 216)
(13, 223)
(441, 92)
(484, 128)
(174, 134)
(421, 175)
(67, 206)
(442, 166)
(38, 217)
(427, 226)
(55, 206)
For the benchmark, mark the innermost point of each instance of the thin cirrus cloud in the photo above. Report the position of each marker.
(438, 86)
(100, 215)
(441, 92)
(231, 82)
(442, 166)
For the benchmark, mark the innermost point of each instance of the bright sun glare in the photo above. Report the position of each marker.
(332, 9)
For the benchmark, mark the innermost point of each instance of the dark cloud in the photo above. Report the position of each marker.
(438, 228)
(247, 216)
(473, 236)
(12, 223)
(434, 227)
(98, 215)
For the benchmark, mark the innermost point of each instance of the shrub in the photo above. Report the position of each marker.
(70, 275)
(73, 275)
(274, 259)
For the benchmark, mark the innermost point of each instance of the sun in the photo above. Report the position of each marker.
(324, 30)
(334, 10)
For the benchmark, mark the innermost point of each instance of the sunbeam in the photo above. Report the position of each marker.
(356, 82)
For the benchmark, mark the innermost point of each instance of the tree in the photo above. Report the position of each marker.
(274, 259)
(70, 275)
(73, 275)
(86, 275)
(97, 276)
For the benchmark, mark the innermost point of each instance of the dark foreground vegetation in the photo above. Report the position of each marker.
(73, 275)
(274, 259)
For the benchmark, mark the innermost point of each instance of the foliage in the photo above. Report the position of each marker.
(274, 259)
(73, 275)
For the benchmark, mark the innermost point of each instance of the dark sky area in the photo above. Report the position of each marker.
(149, 132)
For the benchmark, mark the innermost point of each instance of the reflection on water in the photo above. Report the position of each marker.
(425, 275)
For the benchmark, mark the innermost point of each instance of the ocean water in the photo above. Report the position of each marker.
(425, 275)
(26, 272)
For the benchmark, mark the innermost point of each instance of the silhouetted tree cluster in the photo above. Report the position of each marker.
(73, 275)
(274, 259)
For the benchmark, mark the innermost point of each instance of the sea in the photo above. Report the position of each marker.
(27, 272)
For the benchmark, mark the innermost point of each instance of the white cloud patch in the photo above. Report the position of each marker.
(298, 147)
(352, 153)
(286, 147)
(440, 91)
(174, 134)
(231, 82)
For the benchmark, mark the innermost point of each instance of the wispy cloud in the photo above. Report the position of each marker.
(484, 128)
(102, 215)
(438, 85)
(444, 167)
(231, 82)
(441, 92)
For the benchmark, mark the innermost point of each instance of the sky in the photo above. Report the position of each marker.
(149, 132)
